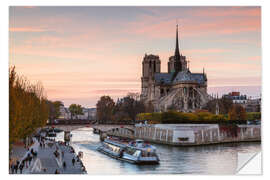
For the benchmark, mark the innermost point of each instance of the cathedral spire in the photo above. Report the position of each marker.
(177, 53)
(177, 58)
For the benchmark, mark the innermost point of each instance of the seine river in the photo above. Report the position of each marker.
(211, 159)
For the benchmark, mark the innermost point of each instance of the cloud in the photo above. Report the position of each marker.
(235, 81)
(240, 20)
(228, 11)
(207, 51)
(27, 29)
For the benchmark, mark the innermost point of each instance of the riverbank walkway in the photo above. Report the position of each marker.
(47, 163)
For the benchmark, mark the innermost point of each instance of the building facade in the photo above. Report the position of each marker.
(88, 114)
(250, 105)
(176, 89)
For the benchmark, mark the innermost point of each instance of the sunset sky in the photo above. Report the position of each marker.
(82, 53)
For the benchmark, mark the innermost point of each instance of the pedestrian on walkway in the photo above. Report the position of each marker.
(64, 165)
(56, 171)
(63, 154)
(73, 161)
(30, 159)
(12, 168)
(16, 168)
(21, 168)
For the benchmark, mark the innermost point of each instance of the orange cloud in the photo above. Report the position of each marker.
(27, 29)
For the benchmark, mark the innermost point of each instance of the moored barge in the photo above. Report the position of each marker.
(137, 152)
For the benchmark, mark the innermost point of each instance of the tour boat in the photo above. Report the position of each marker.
(137, 152)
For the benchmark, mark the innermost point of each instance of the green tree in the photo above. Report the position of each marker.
(75, 110)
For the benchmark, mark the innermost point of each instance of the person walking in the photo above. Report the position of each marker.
(56, 171)
(73, 161)
(12, 168)
(30, 159)
(21, 168)
(64, 165)
(16, 168)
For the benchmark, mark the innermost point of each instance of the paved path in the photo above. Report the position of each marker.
(46, 160)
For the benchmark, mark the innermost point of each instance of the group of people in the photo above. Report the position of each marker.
(25, 163)
(73, 161)
(31, 154)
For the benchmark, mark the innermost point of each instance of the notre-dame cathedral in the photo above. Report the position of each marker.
(178, 88)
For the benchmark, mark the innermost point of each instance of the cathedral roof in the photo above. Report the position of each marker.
(199, 77)
(181, 77)
(187, 76)
(163, 78)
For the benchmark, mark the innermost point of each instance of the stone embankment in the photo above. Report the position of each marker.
(46, 162)
(190, 134)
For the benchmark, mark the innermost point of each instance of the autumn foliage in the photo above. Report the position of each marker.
(236, 115)
(237, 112)
(28, 109)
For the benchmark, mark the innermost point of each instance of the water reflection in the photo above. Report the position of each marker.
(211, 159)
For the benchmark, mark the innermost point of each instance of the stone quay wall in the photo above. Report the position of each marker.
(191, 134)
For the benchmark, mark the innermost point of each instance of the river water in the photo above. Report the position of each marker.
(210, 159)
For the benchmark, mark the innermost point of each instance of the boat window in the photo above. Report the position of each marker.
(148, 154)
(130, 151)
(137, 153)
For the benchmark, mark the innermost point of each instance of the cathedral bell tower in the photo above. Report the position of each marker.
(150, 66)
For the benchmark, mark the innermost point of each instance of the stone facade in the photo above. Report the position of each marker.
(177, 89)
(197, 134)
(190, 134)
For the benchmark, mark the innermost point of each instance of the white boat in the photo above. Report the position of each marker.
(137, 152)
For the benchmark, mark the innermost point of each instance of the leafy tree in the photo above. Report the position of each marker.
(54, 109)
(28, 108)
(253, 116)
(105, 108)
(237, 112)
(225, 105)
(128, 107)
(75, 110)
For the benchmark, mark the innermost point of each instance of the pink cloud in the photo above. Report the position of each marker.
(207, 51)
(234, 81)
(161, 27)
(232, 11)
(27, 29)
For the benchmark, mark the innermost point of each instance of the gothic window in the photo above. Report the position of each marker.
(185, 90)
(190, 91)
(161, 92)
(189, 104)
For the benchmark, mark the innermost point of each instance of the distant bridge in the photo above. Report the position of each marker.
(109, 127)
(70, 127)
(97, 127)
